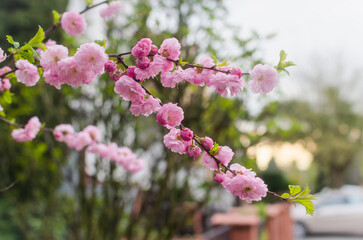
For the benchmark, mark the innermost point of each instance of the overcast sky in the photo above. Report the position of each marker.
(317, 34)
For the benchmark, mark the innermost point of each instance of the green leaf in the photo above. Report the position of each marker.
(11, 41)
(303, 197)
(225, 63)
(35, 53)
(214, 149)
(102, 43)
(28, 56)
(37, 39)
(215, 60)
(285, 195)
(56, 17)
(283, 56)
(283, 64)
(294, 189)
(89, 2)
(7, 96)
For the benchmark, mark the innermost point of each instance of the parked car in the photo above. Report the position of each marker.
(337, 212)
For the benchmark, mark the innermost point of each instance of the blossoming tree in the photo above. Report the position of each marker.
(39, 60)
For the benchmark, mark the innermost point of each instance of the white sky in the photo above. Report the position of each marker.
(316, 34)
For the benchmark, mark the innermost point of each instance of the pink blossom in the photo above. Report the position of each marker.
(78, 140)
(135, 166)
(49, 43)
(50, 57)
(170, 115)
(122, 155)
(61, 132)
(226, 83)
(219, 177)
(115, 76)
(194, 151)
(103, 150)
(29, 132)
(110, 66)
(224, 155)
(170, 79)
(207, 142)
(1, 108)
(145, 107)
(264, 78)
(142, 48)
(157, 65)
(51, 77)
(129, 89)
(131, 71)
(186, 134)
(26, 73)
(91, 56)
(170, 48)
(143, 63)
(247, 188)
(4, 83)
(111, 10)
(93, 132)
(154, 50)
(175, 143)
(238, 169)
(73, 23)
(73, 74)
(199, 76)
(236, 71)
(2, 55)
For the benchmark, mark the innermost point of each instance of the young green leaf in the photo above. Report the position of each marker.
(89, 2)
(225, 63)
(301, 196)
(37, 39)
(102, 43)
(11, 41)
(7, 96)
(56, 17)
(283, 64)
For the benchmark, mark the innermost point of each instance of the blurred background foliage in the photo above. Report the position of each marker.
(63, 194)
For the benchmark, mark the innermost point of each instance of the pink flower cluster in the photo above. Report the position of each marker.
(27, 73)
(76, 140)
(111, 10)
(149, 63)
(244, 184)
(4, 83)
(123, 156)
(90, 136)
(88, 61)
(130, 90)
(73, 23)
(181, 141)
(29, 132)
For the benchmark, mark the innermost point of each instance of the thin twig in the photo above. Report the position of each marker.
(8, 187)
(276, 195)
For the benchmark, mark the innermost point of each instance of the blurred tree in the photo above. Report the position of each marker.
(330, 124)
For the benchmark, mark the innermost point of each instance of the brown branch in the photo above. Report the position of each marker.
(22, 125)
(8, 187)
(276, 195)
